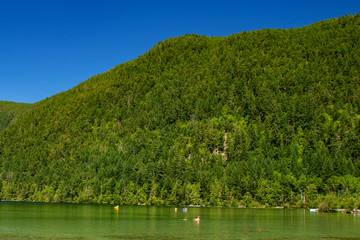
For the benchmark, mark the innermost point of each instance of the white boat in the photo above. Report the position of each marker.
(314, 210)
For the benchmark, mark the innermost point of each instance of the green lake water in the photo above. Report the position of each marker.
(70, 221)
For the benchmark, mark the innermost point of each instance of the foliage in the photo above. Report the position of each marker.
(261, 118)
(9, 111)
(328, 204)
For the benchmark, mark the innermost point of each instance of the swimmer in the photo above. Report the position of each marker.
(197, 219)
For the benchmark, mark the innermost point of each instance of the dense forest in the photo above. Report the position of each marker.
(261, 118)
(10, 111)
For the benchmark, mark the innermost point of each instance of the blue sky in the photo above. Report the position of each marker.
(50, 46)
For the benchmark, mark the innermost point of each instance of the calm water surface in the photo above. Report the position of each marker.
(68, 221)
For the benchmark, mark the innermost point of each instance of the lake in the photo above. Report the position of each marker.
(71, 221)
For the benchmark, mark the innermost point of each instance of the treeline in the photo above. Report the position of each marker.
(261, 118)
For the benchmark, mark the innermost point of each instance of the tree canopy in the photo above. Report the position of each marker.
(9, 111)
(268, 117)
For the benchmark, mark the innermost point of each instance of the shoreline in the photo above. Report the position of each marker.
(187, 206)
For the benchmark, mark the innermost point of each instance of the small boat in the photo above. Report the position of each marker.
(314, 210)
(340, 210)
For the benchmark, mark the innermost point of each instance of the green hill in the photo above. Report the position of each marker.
(10, 110)
(267, 117)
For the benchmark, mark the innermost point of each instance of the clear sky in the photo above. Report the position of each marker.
(50, 46)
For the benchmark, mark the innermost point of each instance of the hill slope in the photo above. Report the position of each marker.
(267, 117)
(9, 110)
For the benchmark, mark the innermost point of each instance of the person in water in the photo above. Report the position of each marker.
(197, 219)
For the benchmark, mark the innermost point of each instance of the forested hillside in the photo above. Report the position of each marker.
(267, 117)
(10, 110)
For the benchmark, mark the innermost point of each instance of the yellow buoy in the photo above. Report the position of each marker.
(116, 208)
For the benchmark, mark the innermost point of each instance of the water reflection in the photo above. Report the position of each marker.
(67, 221)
